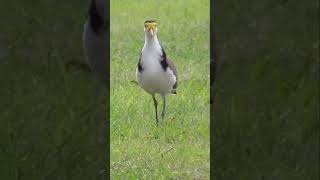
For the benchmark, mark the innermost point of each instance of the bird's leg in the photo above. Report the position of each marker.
(155, 106)
(164, 106)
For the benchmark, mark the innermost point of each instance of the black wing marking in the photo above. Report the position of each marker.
(95, 19)
(165, 63)
(140, 69)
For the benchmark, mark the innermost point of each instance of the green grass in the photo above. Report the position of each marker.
(179, 146)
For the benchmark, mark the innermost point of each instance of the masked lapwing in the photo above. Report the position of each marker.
(95, 39)
(156, 73)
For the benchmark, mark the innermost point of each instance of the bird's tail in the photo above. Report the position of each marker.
(135, 82)
(174, 92)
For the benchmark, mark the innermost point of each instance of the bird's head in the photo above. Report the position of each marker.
(150, 27)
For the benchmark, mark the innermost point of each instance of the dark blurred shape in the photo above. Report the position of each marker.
(266, 90)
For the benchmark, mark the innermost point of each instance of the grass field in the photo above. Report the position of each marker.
(179, 146)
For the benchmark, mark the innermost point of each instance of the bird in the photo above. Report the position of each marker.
(96, 39)
(155, 72)
(96, 43)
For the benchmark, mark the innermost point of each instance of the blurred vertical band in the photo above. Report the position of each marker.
(213, 66)
(108, 89)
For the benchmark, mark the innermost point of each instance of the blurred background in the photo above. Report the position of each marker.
(267, 90)
(47, 108)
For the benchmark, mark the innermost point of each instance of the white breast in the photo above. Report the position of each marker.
(153, 78)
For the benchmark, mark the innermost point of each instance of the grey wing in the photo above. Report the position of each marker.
(173, 68)
(96, 52)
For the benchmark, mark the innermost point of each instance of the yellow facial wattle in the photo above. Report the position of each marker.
(150, 25)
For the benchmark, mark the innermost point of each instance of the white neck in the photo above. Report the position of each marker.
(150, 40)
